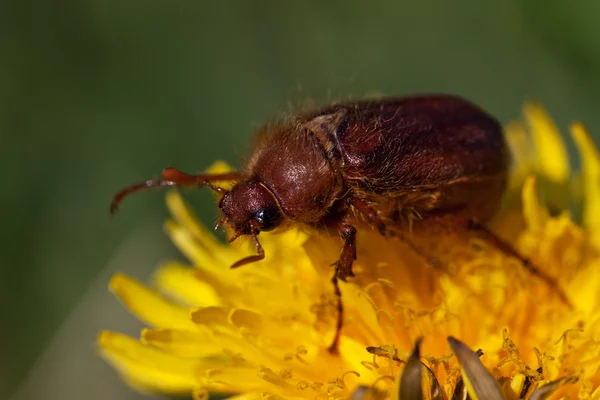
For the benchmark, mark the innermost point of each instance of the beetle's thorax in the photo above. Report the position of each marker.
(292, 162)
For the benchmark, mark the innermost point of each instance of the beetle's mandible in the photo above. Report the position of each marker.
(390, 161)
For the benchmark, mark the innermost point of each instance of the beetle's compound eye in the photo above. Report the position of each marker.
(269, 218)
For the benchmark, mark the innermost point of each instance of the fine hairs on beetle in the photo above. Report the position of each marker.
(425, 159)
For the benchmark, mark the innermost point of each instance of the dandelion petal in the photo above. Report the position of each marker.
(147, 367)
(552, 157)
(535, 213)
(148, 305)
(180, 283)
(591, 178)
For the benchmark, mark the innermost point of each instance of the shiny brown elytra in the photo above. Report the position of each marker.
(420, 159)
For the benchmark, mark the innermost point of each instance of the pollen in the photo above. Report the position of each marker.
(482, 323)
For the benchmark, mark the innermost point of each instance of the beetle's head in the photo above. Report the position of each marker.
(249, 207)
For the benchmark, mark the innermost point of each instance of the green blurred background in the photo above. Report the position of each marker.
(97, 94)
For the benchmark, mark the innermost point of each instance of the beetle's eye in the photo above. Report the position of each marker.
(269, 218)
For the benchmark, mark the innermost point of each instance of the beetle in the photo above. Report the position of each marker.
(390, 162)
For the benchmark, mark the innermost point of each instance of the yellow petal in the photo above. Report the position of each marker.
(590, 160)
(521, 165)
(210, 316)
(248, 378)
(147, 305)
(186, 218)
(256, 396)
(516, 385)
(534, 212)
(584, 289)
(245, 319)
(146, 367)
(213, 260)
(551, 153)
(186, 344)
(180, 282)
(220, 167)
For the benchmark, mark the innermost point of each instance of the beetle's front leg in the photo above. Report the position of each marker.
(343, 267)
(370, 214)
(343, 271)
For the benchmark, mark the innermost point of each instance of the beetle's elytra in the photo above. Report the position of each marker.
(389, 161)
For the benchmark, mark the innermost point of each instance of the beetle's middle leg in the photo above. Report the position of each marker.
(370, 214)
(334, 347)
(373, 218)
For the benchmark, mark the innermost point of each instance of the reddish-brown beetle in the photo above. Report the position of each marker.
(415, 158)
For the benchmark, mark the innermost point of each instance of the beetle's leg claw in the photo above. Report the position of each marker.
(343, 271)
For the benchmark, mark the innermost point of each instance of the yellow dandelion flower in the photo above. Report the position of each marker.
(485, 326)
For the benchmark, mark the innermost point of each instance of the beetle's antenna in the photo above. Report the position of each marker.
(220, 222)
(254, 258)
(183, 179)
(120, 195)
(235, 236)
(174, 177)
